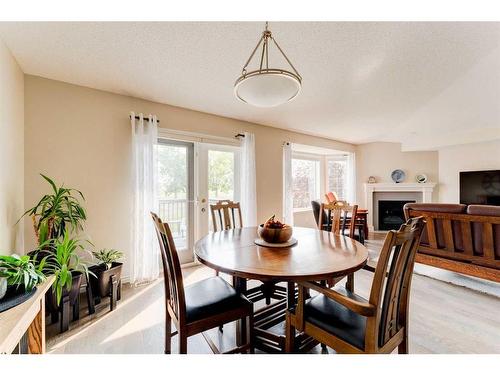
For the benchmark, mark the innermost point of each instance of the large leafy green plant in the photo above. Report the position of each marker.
(107, 256)
(62, 260)
(21, 270)
(57, 212)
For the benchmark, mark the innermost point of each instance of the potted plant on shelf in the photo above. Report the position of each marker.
(19, 277)
(107, 282)
(57, 212)
(62, 259)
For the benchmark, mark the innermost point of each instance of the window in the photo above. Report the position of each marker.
(337, 176)
(175, 189)
(305, 182)
(220, 175)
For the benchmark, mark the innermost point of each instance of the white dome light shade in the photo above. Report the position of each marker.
(267, 88)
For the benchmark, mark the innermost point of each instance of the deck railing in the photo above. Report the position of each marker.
(175, 213)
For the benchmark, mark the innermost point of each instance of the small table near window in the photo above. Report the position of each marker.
(318, 255)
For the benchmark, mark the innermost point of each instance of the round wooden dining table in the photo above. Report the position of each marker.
(317, 255)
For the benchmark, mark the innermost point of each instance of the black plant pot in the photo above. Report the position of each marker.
(107, 283)
(70, 299)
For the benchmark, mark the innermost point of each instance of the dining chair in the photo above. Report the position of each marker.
(201, 306)
(224, 215)
(337, 220)
(349, 323)
(316, 207)
(338, 217)
(331, 197)
(222, 220)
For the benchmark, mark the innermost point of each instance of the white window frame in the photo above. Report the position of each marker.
(320, 174)
(323, 174)
(338, 157)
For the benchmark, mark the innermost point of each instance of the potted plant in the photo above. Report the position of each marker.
(57, 212)
(107, 282)
(62, 260)
(18, 279)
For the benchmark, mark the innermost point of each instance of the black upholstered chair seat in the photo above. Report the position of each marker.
(336, 319)
(210, 297)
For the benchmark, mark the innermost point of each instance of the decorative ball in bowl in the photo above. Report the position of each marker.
(273, 231)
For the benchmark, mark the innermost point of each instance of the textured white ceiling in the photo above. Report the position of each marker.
(423, 84)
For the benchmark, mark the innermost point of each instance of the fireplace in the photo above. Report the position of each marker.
(390, 214)
(404, 191)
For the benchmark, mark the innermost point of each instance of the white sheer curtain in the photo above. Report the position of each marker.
(287, 184)
(145, 252)
(248, 181)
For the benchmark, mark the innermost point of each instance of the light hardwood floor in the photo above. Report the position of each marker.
(444, 318)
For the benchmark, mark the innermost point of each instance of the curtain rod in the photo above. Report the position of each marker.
(144, 118)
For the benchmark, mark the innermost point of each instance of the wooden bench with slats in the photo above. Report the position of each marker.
(463, 242)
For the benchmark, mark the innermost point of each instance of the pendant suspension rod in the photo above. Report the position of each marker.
(267, 54)
(286, 58)
(263, 52)
(264, 40)
(250, 58)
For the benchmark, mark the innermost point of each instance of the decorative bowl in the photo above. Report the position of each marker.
(275, 235)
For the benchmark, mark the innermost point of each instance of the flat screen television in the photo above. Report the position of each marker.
(480, 187)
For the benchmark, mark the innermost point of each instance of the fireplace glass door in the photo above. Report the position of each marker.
(390, 214)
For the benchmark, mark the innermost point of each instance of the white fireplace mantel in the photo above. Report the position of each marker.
(425, 188)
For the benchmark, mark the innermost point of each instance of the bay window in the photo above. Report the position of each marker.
(306, 181)
(313, 175)
(337, 172)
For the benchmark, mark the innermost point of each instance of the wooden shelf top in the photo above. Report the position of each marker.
(15, 321)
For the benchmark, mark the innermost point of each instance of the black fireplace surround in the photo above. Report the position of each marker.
(390, 214)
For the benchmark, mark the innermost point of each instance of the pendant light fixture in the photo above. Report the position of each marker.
(267, 87)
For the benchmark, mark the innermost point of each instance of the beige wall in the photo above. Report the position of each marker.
(11, 152)
(470, 157)
(81, 137)
(379, 159)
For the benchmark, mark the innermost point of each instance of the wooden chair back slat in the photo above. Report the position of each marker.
(174, 287)
(391, 282)
(335, 213)
(224, 215)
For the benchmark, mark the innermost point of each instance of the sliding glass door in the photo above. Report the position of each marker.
(176, 204)
(191, 176)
